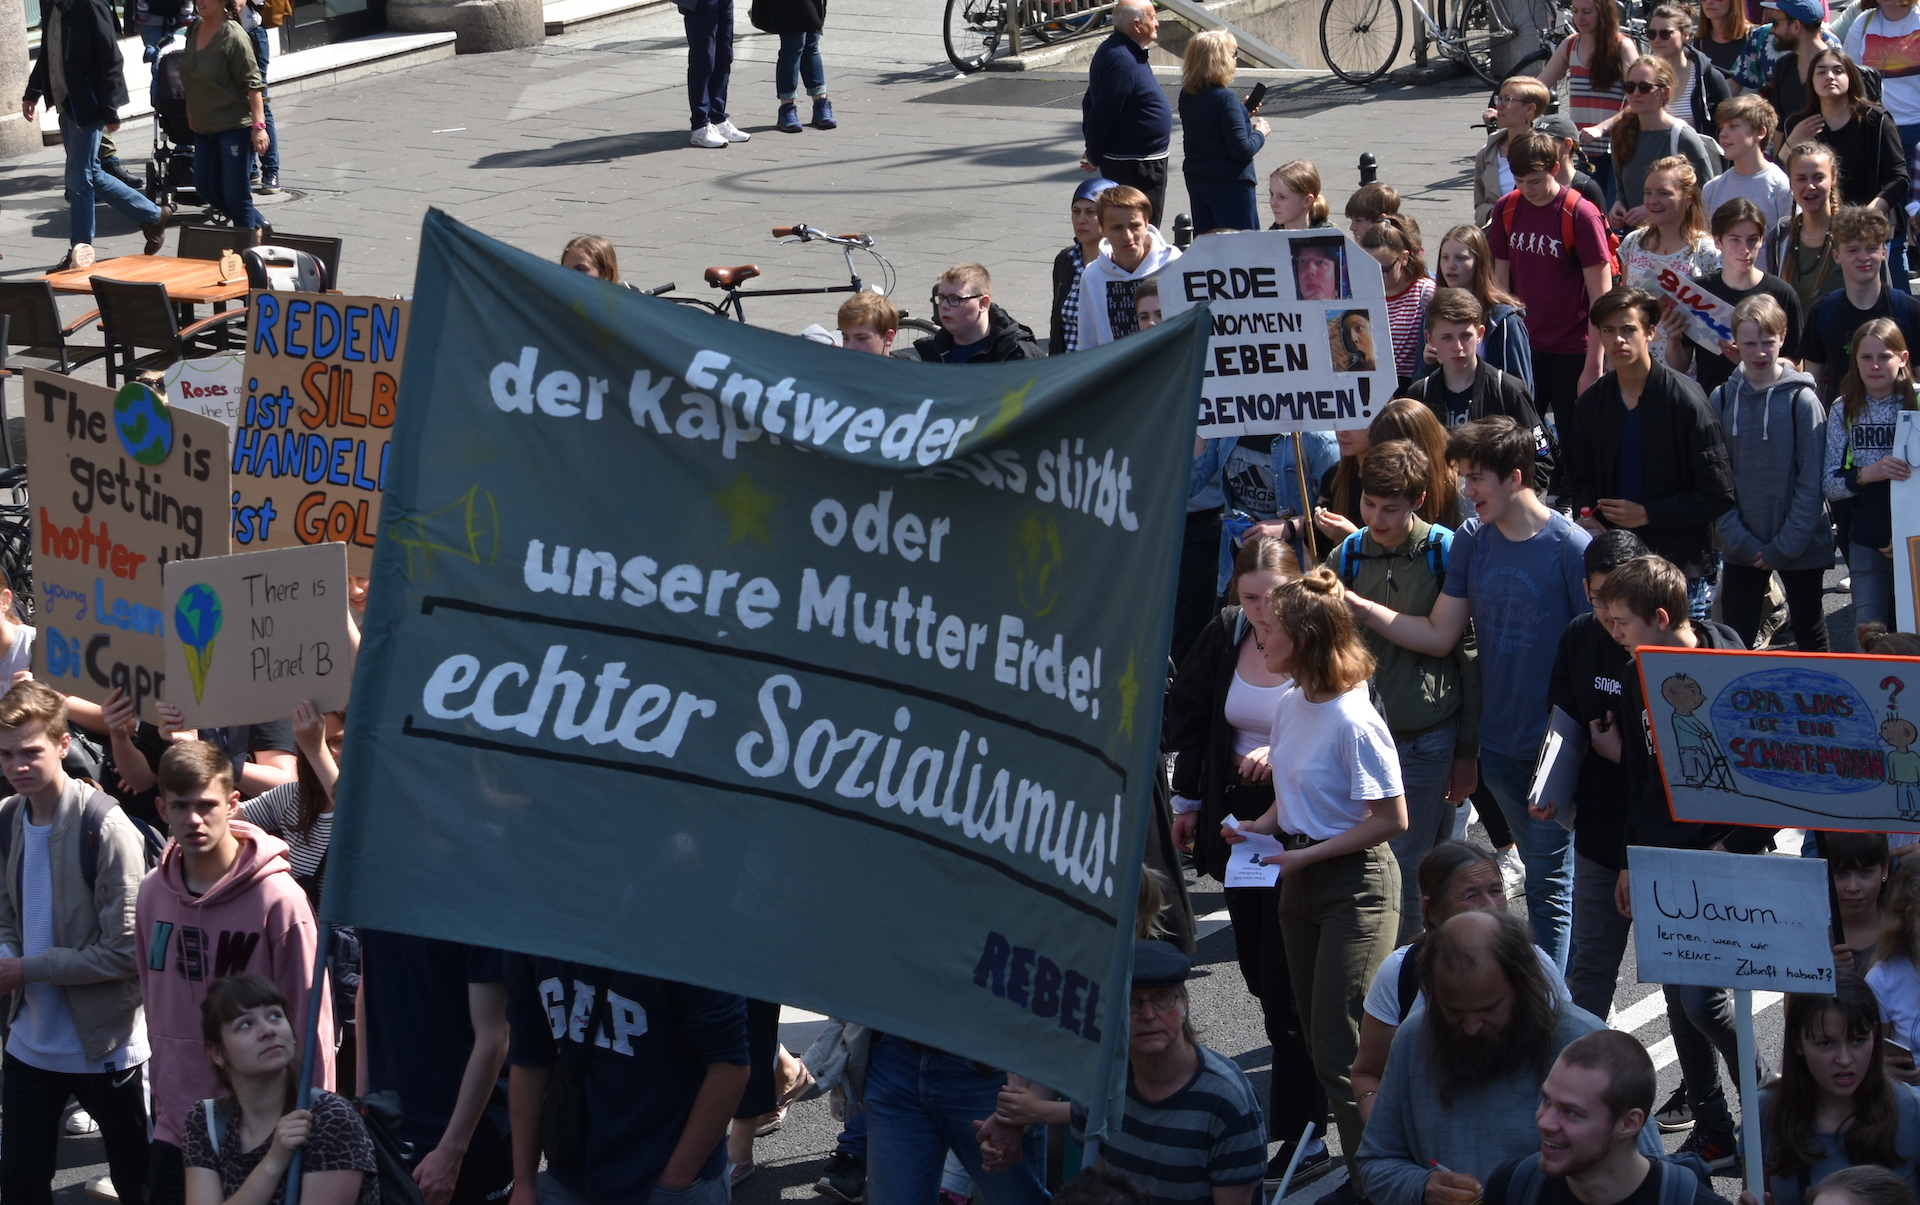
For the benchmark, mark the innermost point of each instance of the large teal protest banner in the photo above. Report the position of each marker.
(721, 655)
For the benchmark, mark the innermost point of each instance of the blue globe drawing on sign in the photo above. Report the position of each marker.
(1799, 730)
(144, 423)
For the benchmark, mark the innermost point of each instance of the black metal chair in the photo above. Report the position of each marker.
(207, 242)
(139, 314)
(35, 328)
(322, 248)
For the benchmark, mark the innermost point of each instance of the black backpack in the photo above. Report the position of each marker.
(93, 817)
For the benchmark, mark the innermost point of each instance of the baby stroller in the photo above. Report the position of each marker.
(170, 181)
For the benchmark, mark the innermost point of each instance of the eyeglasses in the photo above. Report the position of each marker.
(953, 301)
(1503, 101)
(1160, 1002)
(1640, 85)
(1663, 33)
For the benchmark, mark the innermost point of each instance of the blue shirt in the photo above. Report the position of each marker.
(1124, 112)
(1522, 595)
(1629, 481)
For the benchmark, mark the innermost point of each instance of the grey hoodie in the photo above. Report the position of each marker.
(1776, 442)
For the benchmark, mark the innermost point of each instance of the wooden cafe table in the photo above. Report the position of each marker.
(189, 281)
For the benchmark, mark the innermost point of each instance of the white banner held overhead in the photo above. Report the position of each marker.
(1716, 919)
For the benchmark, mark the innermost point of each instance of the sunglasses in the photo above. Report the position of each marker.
(1663, 33)
(1640, 85)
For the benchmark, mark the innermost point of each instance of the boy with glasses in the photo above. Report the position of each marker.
(973, 330)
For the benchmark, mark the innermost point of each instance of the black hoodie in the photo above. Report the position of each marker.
(1588, 672)
(1006, 340)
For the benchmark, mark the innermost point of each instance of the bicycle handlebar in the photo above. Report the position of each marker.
(808, 234)
(663, 289)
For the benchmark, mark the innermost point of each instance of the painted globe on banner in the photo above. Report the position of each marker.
(144, 423)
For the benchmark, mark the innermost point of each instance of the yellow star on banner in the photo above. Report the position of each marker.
(747, 510)
(603, 338)
(1010, 408)
(1128, 684)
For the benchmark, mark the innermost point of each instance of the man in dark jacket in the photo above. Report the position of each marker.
(78, 73)
(1124, 115)
(973, 330)
(1644, 450)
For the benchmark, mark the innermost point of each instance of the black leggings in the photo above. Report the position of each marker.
(1743, 588)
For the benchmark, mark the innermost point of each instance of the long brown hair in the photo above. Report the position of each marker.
(1871, 1134)
(1404, 418)
(1857, 104)
(1854, 390)
(1604, 71)
(1485, 289)
(1626, 131)
(1329, 657)
(1736, 19)
(1900, 931)
(313, 796)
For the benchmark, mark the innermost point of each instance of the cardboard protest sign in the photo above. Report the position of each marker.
(212, 385)
(1904, 497)
(1709, 319)
(665, 606)
(1299, 337)
(121, 485)
(1715, 919)
(252, 636)
(310, 451)
(1786, 740)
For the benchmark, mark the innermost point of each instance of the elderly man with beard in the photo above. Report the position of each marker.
(1593, 1110)
(1464, 1077)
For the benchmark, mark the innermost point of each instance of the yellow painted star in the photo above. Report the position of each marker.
(603, 338)
(747, 510)
(1010, 408)
(1128, 684)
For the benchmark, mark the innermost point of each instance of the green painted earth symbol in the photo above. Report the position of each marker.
(144, 423)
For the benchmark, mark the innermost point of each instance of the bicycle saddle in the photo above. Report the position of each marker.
(726, 278)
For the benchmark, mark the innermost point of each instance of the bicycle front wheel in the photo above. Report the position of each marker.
(1474, 39)
(1360, 37)
(973, 32)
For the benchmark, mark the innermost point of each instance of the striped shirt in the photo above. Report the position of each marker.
(1588, 107)
(1407, 315)
(1208, 1135)
(277, 811)
(1070, 308)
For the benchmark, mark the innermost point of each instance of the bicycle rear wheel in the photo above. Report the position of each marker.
(1475, 38)
(1360, 37)
(973, 32)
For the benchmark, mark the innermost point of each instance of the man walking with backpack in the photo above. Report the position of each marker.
(73, 863)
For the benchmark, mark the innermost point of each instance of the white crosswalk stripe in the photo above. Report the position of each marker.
(1651, 1009)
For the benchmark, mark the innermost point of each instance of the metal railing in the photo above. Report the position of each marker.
(1052, 21)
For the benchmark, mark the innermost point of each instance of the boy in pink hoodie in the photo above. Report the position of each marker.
(223, 900)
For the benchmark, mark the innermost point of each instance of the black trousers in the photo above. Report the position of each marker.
(1147, 175)
(34, 1101)
(1556, 385)
(485, 1174)
(1194, 598)
(166, 1174)
(1295, 1096)
(1742, 589)
(763, 1051)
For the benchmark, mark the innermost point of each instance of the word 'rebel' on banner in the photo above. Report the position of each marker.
(1299, 339)
(1786, 740)
(664, 607)
(121, 484)
(310, 449)
(1715, 919)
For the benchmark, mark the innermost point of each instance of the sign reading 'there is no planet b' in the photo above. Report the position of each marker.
(1730, 920)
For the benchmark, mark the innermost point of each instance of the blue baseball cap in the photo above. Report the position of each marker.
(1089, 189)
(1807, 12)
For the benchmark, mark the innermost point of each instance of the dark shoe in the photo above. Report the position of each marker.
(156, 230)
(1311, 1168)
(1676, 1115)
(1343, 1193)
(789, 120)
(845, 1179)
(114, 168)
(1714, 1148)
(823, 114)
(269, 185)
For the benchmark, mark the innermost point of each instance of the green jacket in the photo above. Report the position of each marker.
(218, 79)
(1417, 692)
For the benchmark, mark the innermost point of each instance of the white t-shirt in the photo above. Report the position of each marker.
(1250, 710)
(19, 655)
(1383, 998)
(1893, 49)
(1896, 985)
(1328, 759)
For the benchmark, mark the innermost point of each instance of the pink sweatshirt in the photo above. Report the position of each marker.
(255, 919)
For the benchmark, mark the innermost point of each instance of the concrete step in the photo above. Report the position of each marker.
(564, 15)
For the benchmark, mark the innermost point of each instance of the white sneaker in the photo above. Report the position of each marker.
(102, 1189)
(1513, 872)
(708, 137)
(731, 132)
(81, 1122)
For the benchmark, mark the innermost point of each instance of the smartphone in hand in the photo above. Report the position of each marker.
(1254, 98)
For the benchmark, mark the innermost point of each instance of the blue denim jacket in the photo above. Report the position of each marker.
(1323, 452)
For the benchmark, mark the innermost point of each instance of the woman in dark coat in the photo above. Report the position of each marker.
(1220, 137)
(798, 22)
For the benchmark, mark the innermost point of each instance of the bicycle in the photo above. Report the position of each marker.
(730, 279)
(1368, 32)
(16, 540)
(974, 28)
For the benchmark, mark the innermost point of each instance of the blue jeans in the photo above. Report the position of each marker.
(1426, 763)
(1702, 1021)
(853, 1131)
(220, 174)
(922, 1104)
(1600, 936)
(1545, 847)
(700, 1192)
(799, 58)
(89, 184)
(709, 60)
(269, 162)
(1700, 592)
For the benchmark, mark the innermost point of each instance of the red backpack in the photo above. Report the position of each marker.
(1570, 202)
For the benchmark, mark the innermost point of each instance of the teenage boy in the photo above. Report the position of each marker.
(1747, 124)
(1368, 204)
(1587, 671)
(1646, 601)
(73, 863)
(1519, 102)
(868, 322)
(659, 1066)
(1515, 570)
(1465, 387)
(1859, 236)
(223, 900)
(1739, 227)
(1644, 450)
(1779, 521)
(1133, 250)
(1557, 277)
(1431, 704)
(973, 330)
(1566, 138)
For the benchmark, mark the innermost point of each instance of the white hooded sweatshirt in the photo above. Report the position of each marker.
(1106, 292)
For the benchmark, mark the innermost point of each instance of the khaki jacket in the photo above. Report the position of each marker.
(1486, 177)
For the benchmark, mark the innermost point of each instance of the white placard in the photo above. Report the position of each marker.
(1709, 319)
(213, 386)
(1904, 497)
(1730, 920)
(1301, 340)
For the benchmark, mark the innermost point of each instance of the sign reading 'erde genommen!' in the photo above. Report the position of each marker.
(1300, 339)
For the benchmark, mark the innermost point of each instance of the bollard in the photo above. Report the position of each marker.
(1182, 231)
(1369, 168)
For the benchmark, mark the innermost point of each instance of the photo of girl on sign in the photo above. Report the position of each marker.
(1320, 269)
(1350, 336)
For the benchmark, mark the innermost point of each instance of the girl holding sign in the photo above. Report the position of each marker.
(1861, 462)
(1673, 239)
